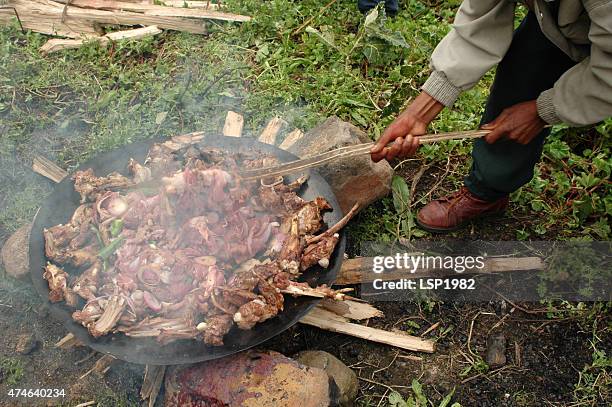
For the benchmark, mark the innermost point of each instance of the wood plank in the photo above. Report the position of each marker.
(154, 10)
(271, 131)
(233, 124)
(329, 321)
(48, 169)
(58, 44)
(359, 270)
(355, 310)
(291, 139)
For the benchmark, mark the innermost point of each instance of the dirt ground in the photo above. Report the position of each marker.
(544, 357)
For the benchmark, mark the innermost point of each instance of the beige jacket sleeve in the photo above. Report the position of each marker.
(583, 95)
(479, 38)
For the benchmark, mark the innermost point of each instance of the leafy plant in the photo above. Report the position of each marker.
(418, 399)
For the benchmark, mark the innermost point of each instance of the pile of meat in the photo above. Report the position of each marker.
(183, 248)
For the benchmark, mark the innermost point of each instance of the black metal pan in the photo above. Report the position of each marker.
(59, 207)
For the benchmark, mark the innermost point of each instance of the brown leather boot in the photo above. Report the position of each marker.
(451, 212)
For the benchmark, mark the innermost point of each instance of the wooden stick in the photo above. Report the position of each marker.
(336, 227)
(359, 270)
(347, 152)
(233, 124)
(152, 382)
(48, 168)
(329, 321)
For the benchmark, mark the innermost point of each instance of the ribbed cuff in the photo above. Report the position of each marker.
(546, 108)
(440, 88)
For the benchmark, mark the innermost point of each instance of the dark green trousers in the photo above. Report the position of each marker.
(532, 65)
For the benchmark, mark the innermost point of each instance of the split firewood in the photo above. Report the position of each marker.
(101, 366)
(152, 382)
(233, 124)
(48, 168)
(58, 44)
(318, 292)
(291, 138)
(355, 310)
(271, 131)
(69, 341)
(329, 321)
(178, 142)
(359, 270)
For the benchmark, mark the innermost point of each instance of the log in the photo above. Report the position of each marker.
(48, 168)
(154, 10)
(49, 17)
(355, 310)
(233, 124)
(270, 132)
(152, 382)
(291, 138)
(58, 44)
(359, 270)
(329, 321)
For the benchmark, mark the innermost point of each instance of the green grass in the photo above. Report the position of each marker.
(11, 370)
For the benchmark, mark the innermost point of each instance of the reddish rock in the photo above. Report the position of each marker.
(249, 378)
(14, 253)
(356, 179)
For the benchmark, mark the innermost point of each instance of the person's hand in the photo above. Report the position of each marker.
(519, 123)
(410, 123)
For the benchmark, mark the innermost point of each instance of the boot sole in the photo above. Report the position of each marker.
(432, 229)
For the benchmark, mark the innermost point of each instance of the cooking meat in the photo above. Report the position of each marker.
(185, 249)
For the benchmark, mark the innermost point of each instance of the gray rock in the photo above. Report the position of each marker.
(14, 253)
(345, 378)
(496, 350)
(26, 344)
(356, 179)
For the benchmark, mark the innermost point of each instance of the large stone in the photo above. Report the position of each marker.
(14, 253)
(343, 376)
(356, 179)
(250, 378)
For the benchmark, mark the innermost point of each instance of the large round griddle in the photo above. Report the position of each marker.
(60, 205)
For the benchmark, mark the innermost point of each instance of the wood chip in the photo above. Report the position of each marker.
(48, 168)
(350, 309)
(291, 139)
(271, 131)
(69, 341)
(233, 124)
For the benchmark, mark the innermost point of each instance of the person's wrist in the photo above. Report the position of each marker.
(426, 108)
